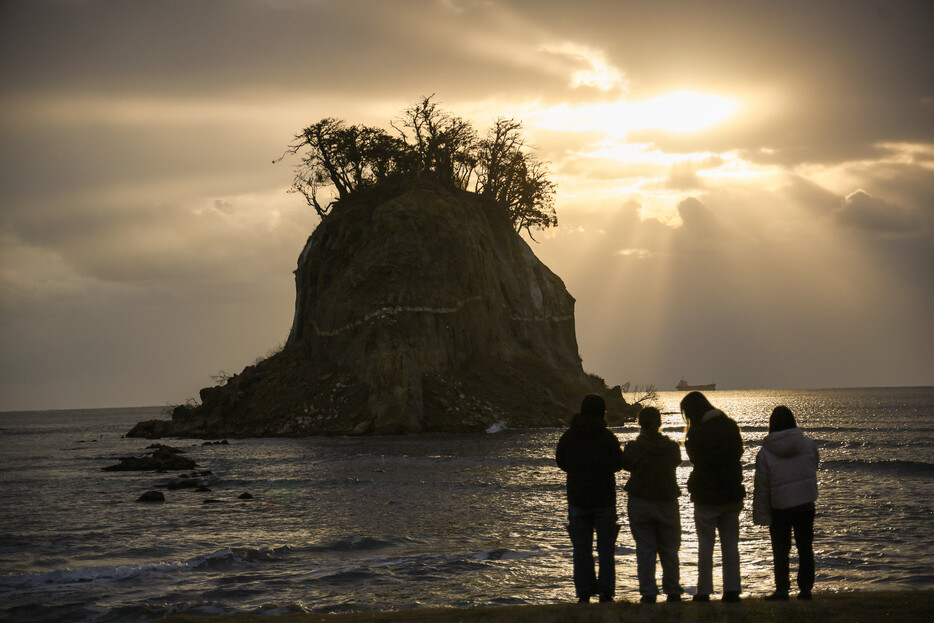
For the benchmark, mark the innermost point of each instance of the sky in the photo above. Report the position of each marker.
(745, 190)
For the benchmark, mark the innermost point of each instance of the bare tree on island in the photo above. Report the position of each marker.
(433, 144)
(349, 158)
(445, 146)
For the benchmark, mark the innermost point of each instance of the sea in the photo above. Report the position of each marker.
(340, 524)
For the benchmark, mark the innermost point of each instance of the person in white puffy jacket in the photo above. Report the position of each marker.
(783, 499)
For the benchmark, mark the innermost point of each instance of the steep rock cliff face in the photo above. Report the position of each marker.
(421, 312)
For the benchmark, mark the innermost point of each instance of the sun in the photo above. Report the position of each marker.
(677, 111)
(680, 111)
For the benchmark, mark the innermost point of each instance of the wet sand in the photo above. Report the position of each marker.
(859, 607)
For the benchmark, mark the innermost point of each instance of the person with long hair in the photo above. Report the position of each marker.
(715, 447)
(591, 455)
(783, 499)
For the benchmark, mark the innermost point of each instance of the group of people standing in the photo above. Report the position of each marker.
(784, 492)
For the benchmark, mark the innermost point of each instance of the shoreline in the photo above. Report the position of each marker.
(905, 606)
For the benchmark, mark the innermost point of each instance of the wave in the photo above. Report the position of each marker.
(919, 468)
(356, 543)
(864, 445)
(222, 559)
(502, 554)
(863, 429)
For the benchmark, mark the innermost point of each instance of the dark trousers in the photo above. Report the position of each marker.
(582, 523)
(800, 520)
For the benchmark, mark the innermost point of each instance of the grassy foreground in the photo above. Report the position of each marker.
(900, 606)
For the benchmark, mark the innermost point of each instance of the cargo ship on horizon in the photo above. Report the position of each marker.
(684, 386)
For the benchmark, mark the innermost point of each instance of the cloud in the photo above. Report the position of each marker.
(863, 211)
(169, 244)
(223, 206)
(697, 218)
(639, 254)
(811, 196)
(598, 72)
(683, 176)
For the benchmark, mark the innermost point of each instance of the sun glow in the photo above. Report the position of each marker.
(680, 111)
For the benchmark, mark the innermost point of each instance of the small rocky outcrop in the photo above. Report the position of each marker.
(151, 496)
(164, 448)
(418, 310)
(183, 483)
(163, 458)
(151, 429)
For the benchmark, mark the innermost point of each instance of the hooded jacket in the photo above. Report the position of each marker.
(591, 455)
(715, 448)
(786, 473)
(652, 458)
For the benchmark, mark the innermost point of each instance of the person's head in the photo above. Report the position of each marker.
(781, 419)
(694, 406)
(650, 419)
(593, 406)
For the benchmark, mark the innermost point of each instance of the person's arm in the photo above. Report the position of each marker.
(618, 458)
(761, 497)
(692, 448)
(674, 454)
(561, 453)
(736, 442)
(627, 457)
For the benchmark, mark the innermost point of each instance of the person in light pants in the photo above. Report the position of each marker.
(715, 447)
(654, 517)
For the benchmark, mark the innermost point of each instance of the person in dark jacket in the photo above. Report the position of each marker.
(654, 518)
(715, 447)
(783, 499)
(591, 455)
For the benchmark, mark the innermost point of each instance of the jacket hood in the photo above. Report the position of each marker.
(587, 422)
(785, 443)
(653, 442)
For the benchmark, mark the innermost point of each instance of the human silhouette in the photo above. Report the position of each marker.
(591, 455)
(654, 518)
(715, 448)
(783, 499)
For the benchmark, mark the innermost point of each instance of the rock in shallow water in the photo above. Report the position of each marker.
(161, 459)
(151, 496)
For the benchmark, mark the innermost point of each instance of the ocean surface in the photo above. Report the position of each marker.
(380, 523)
